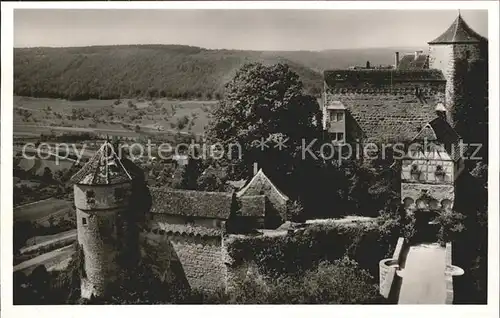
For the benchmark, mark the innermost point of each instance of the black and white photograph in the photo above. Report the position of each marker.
(250, 156)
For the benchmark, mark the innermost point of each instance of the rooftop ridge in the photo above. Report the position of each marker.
(98, 170)
(458, 32)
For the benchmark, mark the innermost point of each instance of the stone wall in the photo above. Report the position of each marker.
(448, 276)
(97, 222)
(98, 238)
(414, 191)
(445, 58)
(388, 268)
(101, 197)
(195, 259)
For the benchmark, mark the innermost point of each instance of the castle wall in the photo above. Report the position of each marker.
(97, 217)
(446, 58)
(439, 192)
(426, 88)
(98, 238)
(194, 258)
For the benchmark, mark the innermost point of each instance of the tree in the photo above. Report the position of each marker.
(191, 172)
(210, 182)
(262, 107)
(47, 175)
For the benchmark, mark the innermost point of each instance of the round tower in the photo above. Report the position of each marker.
(102, 192)
(452, 52)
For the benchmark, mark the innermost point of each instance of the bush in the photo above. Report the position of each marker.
(339, 282)
(450, 224)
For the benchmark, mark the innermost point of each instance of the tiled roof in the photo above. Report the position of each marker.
(253, 206)
(458, 32)
(103, 168)
(409, 62)
(371, 78)
(189, 230)
(260, 184)
(388, 117)
(440, 132)
(237, 184)
(191, 203)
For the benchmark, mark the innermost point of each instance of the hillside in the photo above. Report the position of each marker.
(173, 71)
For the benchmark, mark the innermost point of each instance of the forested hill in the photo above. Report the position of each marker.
(176, 71)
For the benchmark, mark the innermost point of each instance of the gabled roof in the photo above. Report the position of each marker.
(261, 184)
(458, 32)
(215, 205)
(105, 167)
(440, 132)
(408, 61)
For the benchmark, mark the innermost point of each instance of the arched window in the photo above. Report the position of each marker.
(446, 204)
(407, 202)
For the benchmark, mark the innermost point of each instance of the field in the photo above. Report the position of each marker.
(124, 117)
(41, 211)
(36, 166)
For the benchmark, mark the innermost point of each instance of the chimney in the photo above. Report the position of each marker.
(368, 64)
(396, 60)
(417, 53)
(441, 111)
(255, 168)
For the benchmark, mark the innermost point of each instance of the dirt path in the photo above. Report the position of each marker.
(423, 280)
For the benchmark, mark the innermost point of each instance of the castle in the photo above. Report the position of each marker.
(410, 103)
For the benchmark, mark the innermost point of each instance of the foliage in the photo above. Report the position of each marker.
(191, 172)
(295, 212)
(339, 282)
(450, 223)
(267, 103)
(149, 71)
(295, 254)
(210, 181)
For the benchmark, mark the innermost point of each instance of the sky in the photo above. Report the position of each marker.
(272, 30)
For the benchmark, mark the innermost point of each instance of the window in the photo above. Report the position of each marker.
(340, 136)
(84, 221)
(340, 116)
(90, 197)
(333, 116)
(467, 54)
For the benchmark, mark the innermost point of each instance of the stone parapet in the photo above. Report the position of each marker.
(388, 269)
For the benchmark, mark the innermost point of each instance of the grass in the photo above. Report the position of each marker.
(42, 210)
(37, 166)
(117, 117)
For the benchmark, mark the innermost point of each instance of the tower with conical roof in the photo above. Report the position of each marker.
(102, 194)
(451, 52)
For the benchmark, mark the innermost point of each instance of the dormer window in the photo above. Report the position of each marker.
(336, 116)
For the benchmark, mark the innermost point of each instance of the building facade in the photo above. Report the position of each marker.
(412, 104)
